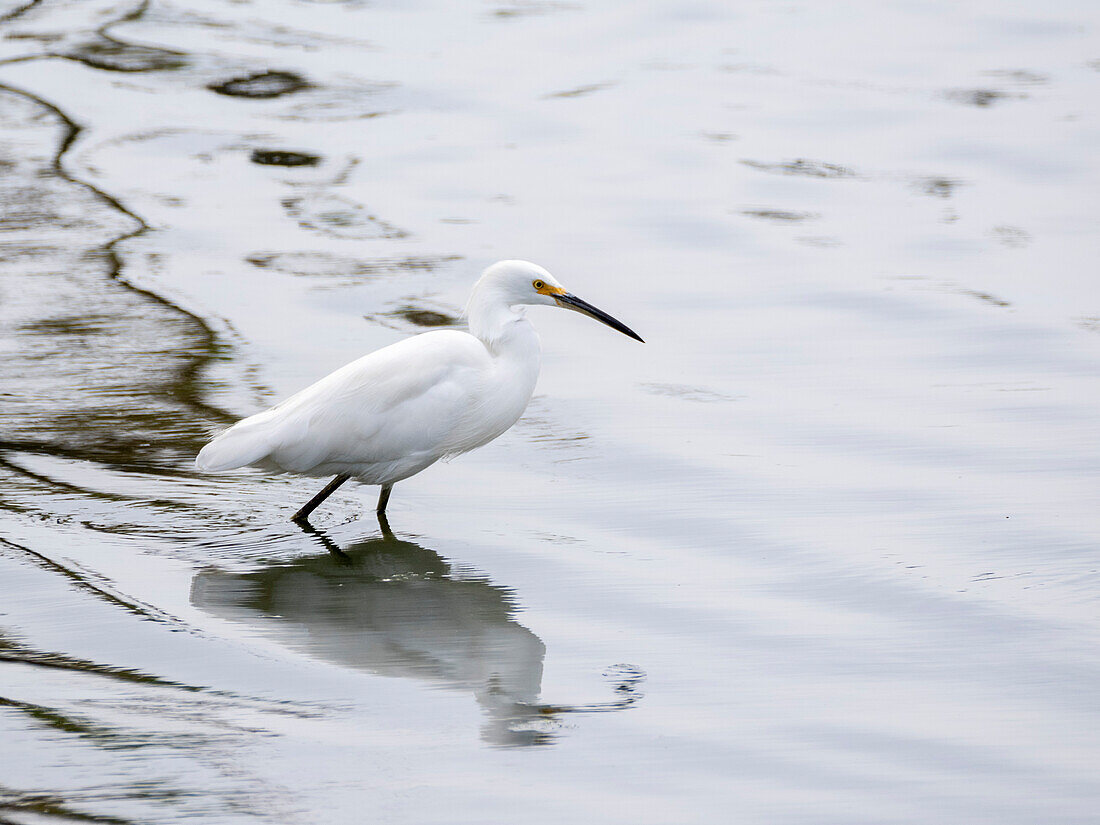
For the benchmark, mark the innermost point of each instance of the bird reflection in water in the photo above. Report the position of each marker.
(395, 608)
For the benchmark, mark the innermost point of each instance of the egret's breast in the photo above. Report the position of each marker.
(505, 390)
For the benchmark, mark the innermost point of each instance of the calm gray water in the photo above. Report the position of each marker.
(824, 550)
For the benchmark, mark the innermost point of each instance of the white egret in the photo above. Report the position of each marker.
(398, 410)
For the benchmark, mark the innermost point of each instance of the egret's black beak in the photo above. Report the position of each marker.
(569, 301)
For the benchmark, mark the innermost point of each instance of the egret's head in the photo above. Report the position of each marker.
(524, 283)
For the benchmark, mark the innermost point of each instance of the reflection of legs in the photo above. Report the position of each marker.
(380, 511)
(384, 523)
(325, 541)
(332, 547)
(383, 499)
(313, 503)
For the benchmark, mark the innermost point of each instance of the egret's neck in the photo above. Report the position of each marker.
(490, 317)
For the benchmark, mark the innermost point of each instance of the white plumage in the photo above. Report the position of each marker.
(396, 411)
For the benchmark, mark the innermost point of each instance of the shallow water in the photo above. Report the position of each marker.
(823, 550)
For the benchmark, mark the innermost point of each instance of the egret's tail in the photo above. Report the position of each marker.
(246, 442)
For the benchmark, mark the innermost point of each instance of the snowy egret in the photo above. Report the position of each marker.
(398, 410)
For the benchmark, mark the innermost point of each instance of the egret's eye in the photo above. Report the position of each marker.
(538, 284)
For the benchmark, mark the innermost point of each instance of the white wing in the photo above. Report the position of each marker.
(387, 415)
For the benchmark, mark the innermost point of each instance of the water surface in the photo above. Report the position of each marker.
(823, 550)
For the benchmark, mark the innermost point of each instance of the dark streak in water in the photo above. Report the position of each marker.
(580, 91)
(14, 13)
(13, 652)
(686, 392)
(261, 85)
(278, 157)
(321, 264)
(982, 98)
(425, 317)
(938, 186)
(74, 325)
(49, 805)
(418, 317)
(779, 215)
(54, 483)
(1021, 77)
(99, 734)
(112, 55)
(81, 582)
(530, 8)
(985, 296)
(1012, 236)
(339, 217)
(102, 427)
(801, 166)
(821, 241)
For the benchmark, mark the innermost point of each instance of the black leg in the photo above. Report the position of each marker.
(313, 503)
(383, 499)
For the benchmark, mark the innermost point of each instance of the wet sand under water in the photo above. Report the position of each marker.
(823, 550)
